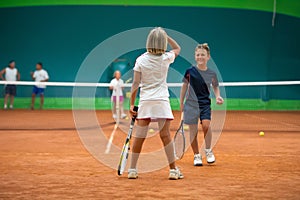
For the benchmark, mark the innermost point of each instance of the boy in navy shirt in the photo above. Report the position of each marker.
(196, 93)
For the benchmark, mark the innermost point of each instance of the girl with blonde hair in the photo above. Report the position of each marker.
(150, 73)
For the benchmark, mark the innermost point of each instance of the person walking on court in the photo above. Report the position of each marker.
(117, 85)
(11, 74)
(39, 75)
(197, 81)
(150, 71)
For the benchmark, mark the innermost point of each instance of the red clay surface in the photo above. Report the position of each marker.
(50, 162)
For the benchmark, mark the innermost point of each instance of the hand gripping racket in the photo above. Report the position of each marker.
(126, 147)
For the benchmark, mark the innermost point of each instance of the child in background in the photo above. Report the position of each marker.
(150, 71)
(198, 80)
(116, 85)
(40, 75)
(11, 74)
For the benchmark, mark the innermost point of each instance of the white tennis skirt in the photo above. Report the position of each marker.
(155, 110)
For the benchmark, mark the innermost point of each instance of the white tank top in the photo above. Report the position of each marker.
(11, 74)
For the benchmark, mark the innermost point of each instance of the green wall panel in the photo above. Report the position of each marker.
(288, 7)
(244, 45)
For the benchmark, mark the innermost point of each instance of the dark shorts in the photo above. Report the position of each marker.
(37, 90)
(192, 113)
(11, 90)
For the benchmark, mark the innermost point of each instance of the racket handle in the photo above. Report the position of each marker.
(135, 109)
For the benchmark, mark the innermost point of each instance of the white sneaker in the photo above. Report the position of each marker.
(132, 174)
(114, 116)
(11, 107)
(210, 157)
(175, 174)
(198, 160)
(5, 107)
(123, 116)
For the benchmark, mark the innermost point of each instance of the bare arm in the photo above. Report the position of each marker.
(174, 45)
(182, 95)
(219, 99)
(1, 74)
(31, 74)
(18, 76)
(46, 76)
(45, 80)
(134, 89)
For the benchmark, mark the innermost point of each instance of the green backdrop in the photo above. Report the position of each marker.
(243, 42)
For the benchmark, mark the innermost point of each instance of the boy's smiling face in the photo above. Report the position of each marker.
(201, 57)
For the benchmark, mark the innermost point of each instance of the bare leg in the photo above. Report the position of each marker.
(42, 101)
(6, 99)
(207, 133)
(164, 127)
(194, 137)
(114, 108)
(121, 108)
(12, 98)
(32, 101)
(142, 130)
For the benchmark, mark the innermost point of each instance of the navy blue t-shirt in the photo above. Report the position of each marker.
(199, 84)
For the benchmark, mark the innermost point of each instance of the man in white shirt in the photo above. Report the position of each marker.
(11, 74)
(40, 75)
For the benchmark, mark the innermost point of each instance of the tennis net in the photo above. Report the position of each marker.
(249, 106)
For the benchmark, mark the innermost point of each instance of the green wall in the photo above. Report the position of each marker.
(288, 7)
(244, 44)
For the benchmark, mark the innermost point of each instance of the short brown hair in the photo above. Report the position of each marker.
(157, 41)
(203, 46)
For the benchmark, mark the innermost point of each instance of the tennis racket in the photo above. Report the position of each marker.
(179, 141)
(126, 147)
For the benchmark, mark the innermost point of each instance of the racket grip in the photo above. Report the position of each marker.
(135, 108)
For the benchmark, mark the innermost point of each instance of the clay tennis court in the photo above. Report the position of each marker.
(42, 157)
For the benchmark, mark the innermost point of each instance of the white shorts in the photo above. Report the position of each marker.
(155, 110)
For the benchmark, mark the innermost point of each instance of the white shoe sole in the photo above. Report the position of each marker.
(132, 176)
(174, 177)
(211, 162)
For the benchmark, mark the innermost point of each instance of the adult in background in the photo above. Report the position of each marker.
(11, 74)
(39, 75)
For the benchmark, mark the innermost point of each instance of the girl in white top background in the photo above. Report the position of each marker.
(150, 71)
(117, 85)
(11, 74)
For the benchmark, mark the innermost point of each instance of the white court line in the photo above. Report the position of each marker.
(271, 120)
(108, 146)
